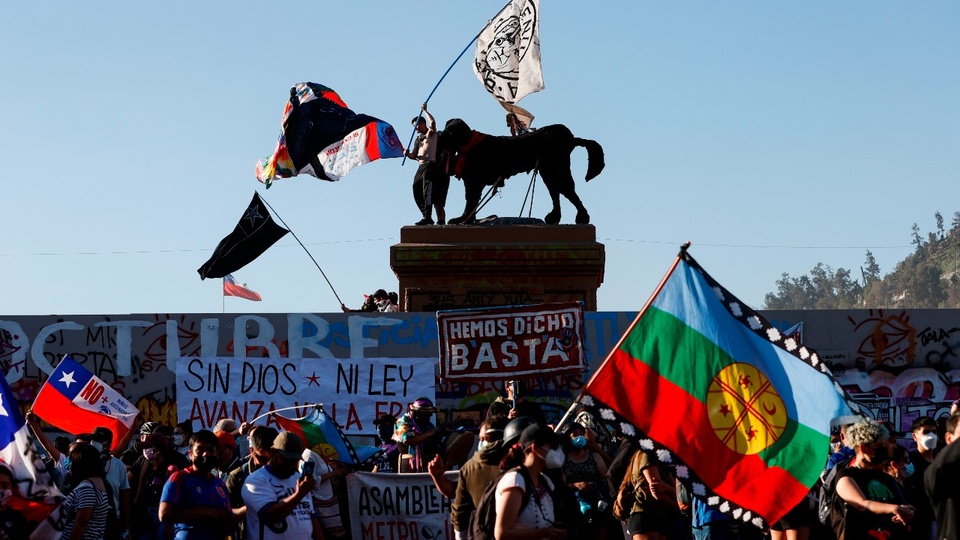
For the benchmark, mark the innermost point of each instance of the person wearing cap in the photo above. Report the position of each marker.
(386, 462)
(416, 436)
(194, 500)
(539, 449)
(277, 498)
(115, 474)
(147, 477)
(228, 454)
(382, 300)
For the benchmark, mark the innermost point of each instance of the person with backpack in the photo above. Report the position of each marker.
(873, 502)
(539, 448)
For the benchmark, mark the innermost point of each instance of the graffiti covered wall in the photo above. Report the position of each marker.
(900, 364)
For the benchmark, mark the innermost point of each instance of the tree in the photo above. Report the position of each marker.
(940, 231)
(956, 221)
(871, 272)
(917, 241)
(823, 288)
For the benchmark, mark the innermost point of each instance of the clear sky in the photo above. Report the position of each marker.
(772, 135)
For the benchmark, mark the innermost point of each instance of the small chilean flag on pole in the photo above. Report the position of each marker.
(232, 288)
(77, 401)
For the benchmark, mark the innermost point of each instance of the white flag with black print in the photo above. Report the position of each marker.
(508, 52)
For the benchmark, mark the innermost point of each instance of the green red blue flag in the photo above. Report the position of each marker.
(705, 384)
(321, 433)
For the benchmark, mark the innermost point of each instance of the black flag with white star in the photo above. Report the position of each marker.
(252, 236)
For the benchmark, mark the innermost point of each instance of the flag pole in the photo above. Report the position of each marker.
(656, 292)
(442, 77)
(268, 413)
(304, 248)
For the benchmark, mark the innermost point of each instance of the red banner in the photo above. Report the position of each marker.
(513, 342)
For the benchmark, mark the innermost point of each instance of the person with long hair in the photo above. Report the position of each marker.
(874, 502)
(86, 508)
(539, 448)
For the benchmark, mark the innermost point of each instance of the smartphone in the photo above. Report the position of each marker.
(308, 468)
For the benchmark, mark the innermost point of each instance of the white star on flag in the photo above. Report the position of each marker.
(3, 410)
(68, 379)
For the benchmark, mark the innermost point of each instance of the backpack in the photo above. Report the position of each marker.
(485, 516)
(831, 510)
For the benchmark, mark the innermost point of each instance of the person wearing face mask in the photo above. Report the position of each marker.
(386, 462)
(181, 437)
(277, 496)
(874, 503)
(941, 483)
(194, 500)
(584, 471)
(539, 449)
(13, 525)
(382, 300)
(147, 477)
(477, 473)
(115, 475)
(924, 433)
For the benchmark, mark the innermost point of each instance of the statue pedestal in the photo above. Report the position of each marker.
(473, 266)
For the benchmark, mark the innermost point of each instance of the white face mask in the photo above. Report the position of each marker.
(5, 495)
(482, 444)
(151, 453)
(98, 446)
(554, 458)
(178, 439)
(928, 441)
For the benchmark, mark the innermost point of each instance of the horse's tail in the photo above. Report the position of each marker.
(594, 156)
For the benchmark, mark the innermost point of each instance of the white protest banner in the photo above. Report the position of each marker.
(353, 391)
(511, 342)
(384, 506)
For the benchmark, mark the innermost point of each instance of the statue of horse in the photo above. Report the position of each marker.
(487, 160)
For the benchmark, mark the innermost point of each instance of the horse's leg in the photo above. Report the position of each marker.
(549, 180)
(472, 190)
(561, 183)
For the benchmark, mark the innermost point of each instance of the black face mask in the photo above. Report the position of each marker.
(386, 434)
(205, 464)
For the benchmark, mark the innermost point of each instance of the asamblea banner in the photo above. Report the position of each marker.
(386, 505)
(353, 391)
(513, 342)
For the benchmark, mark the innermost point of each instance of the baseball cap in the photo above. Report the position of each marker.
(288, 445)
(225, 438)
(539, 434)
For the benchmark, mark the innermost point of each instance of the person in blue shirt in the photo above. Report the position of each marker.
(194, 499)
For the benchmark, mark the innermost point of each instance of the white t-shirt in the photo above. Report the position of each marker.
(263, 489)
(538, 513)
(324, 490)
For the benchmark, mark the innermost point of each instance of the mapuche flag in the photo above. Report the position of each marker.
(321, 137)
(255, 232)
(705, 384)
(321, 433)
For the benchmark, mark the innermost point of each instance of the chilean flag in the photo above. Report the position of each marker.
(232, 288)
(18, 454)
(77, 401)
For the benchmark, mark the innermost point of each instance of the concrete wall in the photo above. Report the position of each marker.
(899, 363)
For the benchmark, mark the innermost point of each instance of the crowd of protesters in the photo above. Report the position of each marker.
(252, 482)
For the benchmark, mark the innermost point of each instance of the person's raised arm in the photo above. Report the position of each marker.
(34, 422)
(431, 123)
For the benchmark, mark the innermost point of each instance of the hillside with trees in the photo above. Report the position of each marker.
(927, 278)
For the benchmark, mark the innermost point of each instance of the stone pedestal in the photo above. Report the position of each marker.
(467, 266)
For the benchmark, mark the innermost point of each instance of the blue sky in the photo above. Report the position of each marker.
(771, 135)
